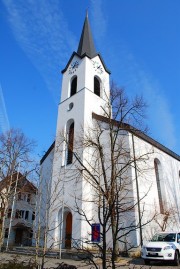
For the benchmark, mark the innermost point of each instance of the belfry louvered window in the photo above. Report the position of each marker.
(73, 86)
(96, 86)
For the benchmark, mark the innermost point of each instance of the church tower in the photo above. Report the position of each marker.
(85, 90)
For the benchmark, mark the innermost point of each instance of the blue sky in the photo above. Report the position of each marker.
(139, 41)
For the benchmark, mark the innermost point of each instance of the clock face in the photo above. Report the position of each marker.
(98, 67)
(73, 67)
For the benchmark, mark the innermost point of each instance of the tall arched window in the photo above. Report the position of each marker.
(73, 86)
(70, 143)
(97, 86)
(158, 172)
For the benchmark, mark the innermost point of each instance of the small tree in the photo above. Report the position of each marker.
(167, 219)
(15, 155)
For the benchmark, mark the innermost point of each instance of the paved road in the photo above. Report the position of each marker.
(138, 263)
(125, 263)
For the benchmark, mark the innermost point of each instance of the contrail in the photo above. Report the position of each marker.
(4, 122)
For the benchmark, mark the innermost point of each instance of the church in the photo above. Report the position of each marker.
(76, 171)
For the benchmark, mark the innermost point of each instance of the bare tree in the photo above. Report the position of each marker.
(15, 155)
(110, 168)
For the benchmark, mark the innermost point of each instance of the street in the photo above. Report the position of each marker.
(124, 263)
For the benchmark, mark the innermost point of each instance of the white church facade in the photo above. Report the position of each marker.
(67, 198)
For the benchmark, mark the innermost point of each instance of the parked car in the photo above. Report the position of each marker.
(164, 246)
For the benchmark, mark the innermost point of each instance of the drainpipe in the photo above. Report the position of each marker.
(137, 188)
(62, 210)
(61, 226)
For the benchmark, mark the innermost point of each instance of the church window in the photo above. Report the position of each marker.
(159, 181)
(96, 86)
(73, 86)
(70, 143)
(70, 106)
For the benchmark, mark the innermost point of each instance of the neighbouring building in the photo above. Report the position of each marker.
(85, 91)
(17, 209)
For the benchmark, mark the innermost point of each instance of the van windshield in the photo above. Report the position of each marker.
(164, 237)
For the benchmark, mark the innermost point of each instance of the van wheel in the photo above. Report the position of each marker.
(176, 258)
(146, 262)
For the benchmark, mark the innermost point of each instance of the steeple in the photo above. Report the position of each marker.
(86, 44)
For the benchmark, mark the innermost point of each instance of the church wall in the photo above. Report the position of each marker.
(65, 175)
(147, 184)
(44, 192)
(123, 145)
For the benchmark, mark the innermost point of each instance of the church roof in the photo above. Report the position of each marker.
(47, 152)
(138, 133)
(86, 43)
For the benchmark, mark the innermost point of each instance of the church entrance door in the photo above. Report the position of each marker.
(68, 234)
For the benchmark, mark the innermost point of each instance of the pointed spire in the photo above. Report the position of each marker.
(86, 44)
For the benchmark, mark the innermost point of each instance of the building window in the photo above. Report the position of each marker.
(19, 196)
(29, 198)
(26, 215)
(159, 181)
(9, 213)
(70, 144)
(31, 234)
(73, 86)
(6, 232)
(96, 86)
(33, 216)
(19, 214)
